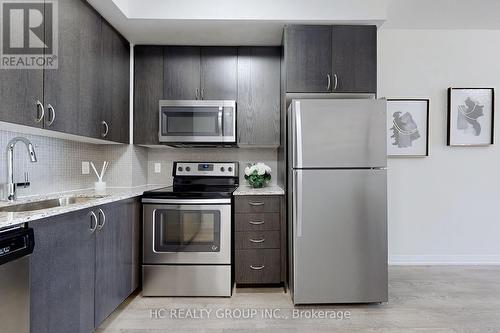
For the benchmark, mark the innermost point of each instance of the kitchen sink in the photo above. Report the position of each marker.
(46, 204)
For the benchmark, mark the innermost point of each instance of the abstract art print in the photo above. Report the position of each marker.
(470, 116)
(408, 127)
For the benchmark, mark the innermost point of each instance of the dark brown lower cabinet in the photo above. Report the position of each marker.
(260, 236)
(83, 267)
(114, 257)
(258, 266)
(62, 274)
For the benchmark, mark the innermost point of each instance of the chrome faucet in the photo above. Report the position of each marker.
(11, 186)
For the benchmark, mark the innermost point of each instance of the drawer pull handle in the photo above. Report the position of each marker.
(257, 222)
(256, 203)
(257, 268)
(257, 240)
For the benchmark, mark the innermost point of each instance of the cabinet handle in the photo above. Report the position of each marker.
(257, 268)
(52, 114)
(94, 218)
(39, 107)
(256, 222)
(196, 93)
(262, 240)
(106, 129)
(101, 225)
(203, 93)
(256, 203)
(328, 82)
(335, 81)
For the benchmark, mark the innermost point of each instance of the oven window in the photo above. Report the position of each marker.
(187, 230)
(184, 121)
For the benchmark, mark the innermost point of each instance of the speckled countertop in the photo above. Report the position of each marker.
(8, 219)
(268, 190)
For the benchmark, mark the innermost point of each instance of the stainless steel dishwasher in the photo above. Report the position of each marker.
(15, 247)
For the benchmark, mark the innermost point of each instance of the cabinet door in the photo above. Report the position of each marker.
(115, 94)
(20, 89)
(113, 279)
(219, 67)
(148, 91)
(73, 88)
(62, 274)
(308, 57)
(181, 72)
(135, 213)
(354, 51)
(259, 96)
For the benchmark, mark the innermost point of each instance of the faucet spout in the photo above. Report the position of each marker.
(11, 186)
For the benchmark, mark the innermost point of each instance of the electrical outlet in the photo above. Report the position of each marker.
(157, 167)
(85, 168)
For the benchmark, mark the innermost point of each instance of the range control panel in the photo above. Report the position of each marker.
(215, 169)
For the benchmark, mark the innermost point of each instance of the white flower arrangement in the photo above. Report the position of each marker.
(258, 174)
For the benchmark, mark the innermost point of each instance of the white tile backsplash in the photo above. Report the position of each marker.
(59, 165)
(166, 157)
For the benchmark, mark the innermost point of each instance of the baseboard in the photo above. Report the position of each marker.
(420, 260)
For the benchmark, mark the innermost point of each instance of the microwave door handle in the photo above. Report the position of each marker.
(219, 121)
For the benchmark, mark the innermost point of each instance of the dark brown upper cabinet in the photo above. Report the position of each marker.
(354, 58)
(181, 65)
(72, 91)
(192, 72)
(323, 59)
(308, 52)
(21, 96)
(259, 96)
(219, 68)
(114, 119)
(87, 94)
(148, 91)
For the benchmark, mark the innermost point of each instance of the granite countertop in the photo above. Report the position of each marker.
(268, 190)
(8, 219)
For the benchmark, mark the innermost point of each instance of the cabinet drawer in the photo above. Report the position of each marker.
(257, 240)
(255, 222)
(258, 266)
(257, 204)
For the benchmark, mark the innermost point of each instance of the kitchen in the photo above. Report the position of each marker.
(179, 102)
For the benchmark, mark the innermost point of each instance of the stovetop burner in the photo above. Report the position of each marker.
(200, 180)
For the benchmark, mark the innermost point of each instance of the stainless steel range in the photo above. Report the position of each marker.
(187, 232)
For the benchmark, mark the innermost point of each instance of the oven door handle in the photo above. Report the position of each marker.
(186, 201)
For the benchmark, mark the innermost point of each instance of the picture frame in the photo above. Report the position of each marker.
(408, 127)
(471, 115)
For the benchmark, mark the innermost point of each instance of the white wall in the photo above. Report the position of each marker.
(443, 208)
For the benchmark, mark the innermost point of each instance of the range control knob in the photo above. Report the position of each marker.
(222, 169)
(230, 169)
(179, 169)
(188, 169)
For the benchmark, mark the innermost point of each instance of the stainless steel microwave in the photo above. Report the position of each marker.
(197, 122)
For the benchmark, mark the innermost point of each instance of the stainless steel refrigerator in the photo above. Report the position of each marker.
(338, 200)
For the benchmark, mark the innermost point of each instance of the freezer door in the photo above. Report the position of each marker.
(339, 226)
(344, 133)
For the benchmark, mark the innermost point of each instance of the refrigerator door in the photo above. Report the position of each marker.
(343, 133)
(339, 226)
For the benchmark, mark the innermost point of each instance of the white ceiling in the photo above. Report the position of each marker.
(260, 22)
(228, 22)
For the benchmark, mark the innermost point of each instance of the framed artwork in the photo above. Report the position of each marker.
(408, 127)
(470, 116)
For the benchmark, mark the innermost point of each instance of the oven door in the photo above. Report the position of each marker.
(197, 122)
(187, 233)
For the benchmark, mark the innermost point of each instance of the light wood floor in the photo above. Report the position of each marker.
(421, 299)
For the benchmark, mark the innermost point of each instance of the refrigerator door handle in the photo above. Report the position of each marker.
(297, 206)
(298, 135)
